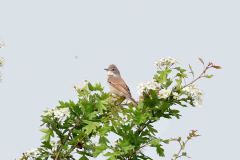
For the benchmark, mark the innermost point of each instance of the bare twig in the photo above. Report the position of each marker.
(203, 73)
(183, 144)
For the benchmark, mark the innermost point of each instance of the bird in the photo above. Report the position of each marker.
(117, 85)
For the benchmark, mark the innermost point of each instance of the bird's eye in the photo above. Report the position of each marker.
(113, 69)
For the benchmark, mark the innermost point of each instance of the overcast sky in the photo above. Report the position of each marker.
(53, 44)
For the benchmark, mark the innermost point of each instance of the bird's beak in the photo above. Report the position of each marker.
(106, 69)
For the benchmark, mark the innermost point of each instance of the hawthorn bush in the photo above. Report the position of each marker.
(80, 129)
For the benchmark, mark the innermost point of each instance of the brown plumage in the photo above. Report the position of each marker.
(117, 84)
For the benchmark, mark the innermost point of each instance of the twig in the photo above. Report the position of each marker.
(141, 128)
(182, 144)
(203, 73)
(182, 147)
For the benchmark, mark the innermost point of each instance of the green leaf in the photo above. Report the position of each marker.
(164, 106)
(160, 150)
(99, 150)
(181, 70)
(125, 145)
(179, 83)
(151, 99)
(90, 87)
(104, 130)
(98, 87)
(48, 133)
(139, 117)
(217, 67)
(161, 77)
(83, 158)
(101, 106)
(155, 142)
(143, 157)
(175, 113)
(46, 144)
(166, 141)
(103, 140)
(184, 154)
(112, 155)
(90, 127)
(209, 76)
(152, 129)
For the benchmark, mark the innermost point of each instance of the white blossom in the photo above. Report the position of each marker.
(163, 63)
(176, 95)
(31, 154)
(195, 93)
(164, 93)
(60, 113)
(146, 86)
(54, 145)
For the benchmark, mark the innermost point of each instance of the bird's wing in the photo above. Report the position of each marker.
(120, 85)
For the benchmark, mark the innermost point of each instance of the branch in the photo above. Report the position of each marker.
(142, 127)
(66, 139)
(182, 144)
(203, 73)
(138, 132)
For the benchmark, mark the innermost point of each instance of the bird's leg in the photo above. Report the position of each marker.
(121, 99)
(117, 100)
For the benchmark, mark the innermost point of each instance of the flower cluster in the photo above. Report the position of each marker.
(59, 113)
(176, 95)
(147, 86)
(195, 93)
(32, 154)
(163, 63)
(164, 93)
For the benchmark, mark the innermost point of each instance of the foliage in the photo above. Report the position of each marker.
(70, 130)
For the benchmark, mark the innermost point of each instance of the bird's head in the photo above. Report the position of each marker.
(112, 70)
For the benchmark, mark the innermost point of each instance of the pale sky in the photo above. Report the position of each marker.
(53, 44)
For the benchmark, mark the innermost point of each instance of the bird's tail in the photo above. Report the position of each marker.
(133, 101)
